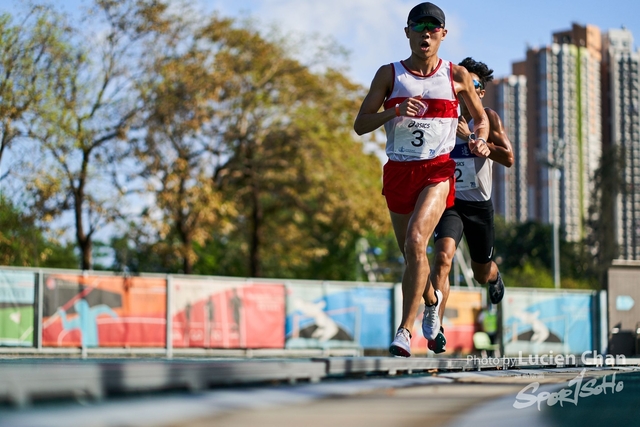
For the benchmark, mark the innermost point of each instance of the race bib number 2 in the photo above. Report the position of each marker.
(417, 137)
(465, 174)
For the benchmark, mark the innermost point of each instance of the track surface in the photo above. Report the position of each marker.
(312, 392)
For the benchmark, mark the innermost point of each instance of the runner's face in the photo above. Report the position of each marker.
(425, 42)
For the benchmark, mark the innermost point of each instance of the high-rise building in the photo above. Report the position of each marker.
(563, 134)
(508, 97)
(621, 135)
(581, 99)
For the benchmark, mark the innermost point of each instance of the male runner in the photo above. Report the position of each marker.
(420, 100)
(472, 213)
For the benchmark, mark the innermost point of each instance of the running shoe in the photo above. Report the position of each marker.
(496, 290)
(431, 319)
(401, 345)
(438, 345)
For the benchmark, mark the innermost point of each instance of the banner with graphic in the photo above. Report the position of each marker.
(541, 322)
(103, 311)
(17, 299)
(227, 314)
(459, 322)
(334, 315)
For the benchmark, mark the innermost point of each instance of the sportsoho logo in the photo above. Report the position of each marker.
(577, 389)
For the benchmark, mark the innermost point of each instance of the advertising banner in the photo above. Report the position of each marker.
(17, 298)
(103, 311)
(227, 314)
(537, 322)
(338, 316)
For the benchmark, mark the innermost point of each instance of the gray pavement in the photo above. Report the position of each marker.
(453, 399)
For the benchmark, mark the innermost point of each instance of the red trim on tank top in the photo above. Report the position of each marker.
(393, 79)
(453, 88)
(413, 73)
(436, 108)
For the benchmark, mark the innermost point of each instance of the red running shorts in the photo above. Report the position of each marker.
(402, 182)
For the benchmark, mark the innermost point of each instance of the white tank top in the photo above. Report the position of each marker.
(473, 173)
(433, 132)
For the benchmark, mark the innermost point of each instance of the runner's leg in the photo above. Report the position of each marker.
(413, 244)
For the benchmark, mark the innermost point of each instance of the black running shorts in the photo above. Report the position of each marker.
(475, 219)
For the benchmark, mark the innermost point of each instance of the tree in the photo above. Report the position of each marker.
(609, 183)
(524, 253)
(81, 127)
(23, 244)
(180, 150)
(29, 52)
(522, 244)
(251, 158)
(299, 180)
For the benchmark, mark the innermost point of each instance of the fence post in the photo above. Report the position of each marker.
(39, 310)
(169, 322)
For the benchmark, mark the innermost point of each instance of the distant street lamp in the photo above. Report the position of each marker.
(555, 184)
(555, 167)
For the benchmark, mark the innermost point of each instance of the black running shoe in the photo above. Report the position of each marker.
(438, 345)
(496, 290)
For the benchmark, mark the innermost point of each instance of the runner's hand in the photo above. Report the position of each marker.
(412, 107)
(479, 147)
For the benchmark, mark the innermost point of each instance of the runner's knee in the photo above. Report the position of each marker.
(415, 245)
(443, 260)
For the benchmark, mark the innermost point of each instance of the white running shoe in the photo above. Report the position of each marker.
(431, 319)
(401, 345)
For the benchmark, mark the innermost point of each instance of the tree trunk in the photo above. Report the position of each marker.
(86, 246)
(255, 269)
(187, 264)
(83, 239)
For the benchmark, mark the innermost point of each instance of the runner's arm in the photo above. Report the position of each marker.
(498, 142)
(463, 85)
(370, 117)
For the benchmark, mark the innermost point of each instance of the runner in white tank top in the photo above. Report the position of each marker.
(432, 132)
(473, 174)
(418, 178)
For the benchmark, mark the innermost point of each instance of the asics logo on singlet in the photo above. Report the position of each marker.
(419, 125)
(466, 151)
(459, 163)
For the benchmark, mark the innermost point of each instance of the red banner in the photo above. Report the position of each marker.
(104, 311)
(219, 314)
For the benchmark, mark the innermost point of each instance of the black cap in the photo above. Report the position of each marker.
(426, 10)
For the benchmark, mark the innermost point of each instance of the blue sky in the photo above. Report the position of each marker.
(496, 32)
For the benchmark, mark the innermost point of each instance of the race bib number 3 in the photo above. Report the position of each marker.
(466, 178)
(417, 137)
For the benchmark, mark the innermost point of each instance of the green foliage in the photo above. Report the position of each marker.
(82, 101)
(609, 183)
(252, 161)
(29, 56)
(524, 253)
(527, 275)
(24, 244)
(520, 244)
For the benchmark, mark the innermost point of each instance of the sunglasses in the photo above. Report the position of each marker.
(477, 84)
(431, 27)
